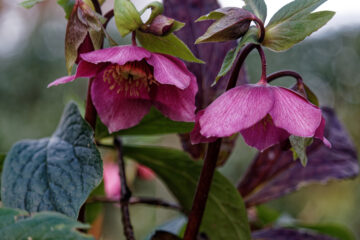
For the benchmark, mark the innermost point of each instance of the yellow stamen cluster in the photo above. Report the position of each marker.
(130, 78)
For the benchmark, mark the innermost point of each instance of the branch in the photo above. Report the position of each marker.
(125, 194)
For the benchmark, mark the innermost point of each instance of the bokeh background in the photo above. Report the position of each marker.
(32, 55)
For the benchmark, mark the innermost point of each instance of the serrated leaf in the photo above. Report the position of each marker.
(280, 174)
(225, 214)
(249, 37)
(154, 123)
(56, 173)
(30, 3)
(299, 145)
(284, 35)
(68, 6)
(294, 10)
(287, 234)
(257, 7)
(337, 231)
(169, 44)
(234, 23)
(17, 224)
(127, 18)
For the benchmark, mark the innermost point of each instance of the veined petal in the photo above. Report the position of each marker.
(117, 55)
(116, 111)
(294, 113)
(84, 69)
(170, 70)
(235, 110)
(195, 135)
(177, 104)
(264, 134)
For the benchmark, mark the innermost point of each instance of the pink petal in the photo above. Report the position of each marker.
(177, 104)
(145, 172)
(235, 110)
(112, 182)
(170, 70)
(195, 135)
(294, 113)
(319, 134)
(117, 55)
(115, 110)
(264, 134)
(84, 69)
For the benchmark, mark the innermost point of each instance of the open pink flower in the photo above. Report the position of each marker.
(128, 80)
(263, 114)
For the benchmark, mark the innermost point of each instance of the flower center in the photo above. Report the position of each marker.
(132, 79)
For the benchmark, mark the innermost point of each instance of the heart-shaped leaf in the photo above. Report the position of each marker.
(56, 173)
(225, 214)
(16, 224)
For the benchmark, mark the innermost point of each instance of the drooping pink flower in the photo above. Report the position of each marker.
(263, 114)
(128, 80)
(112, 182)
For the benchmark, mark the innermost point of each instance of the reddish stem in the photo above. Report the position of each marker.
(90, 111)
(286, 73)
(261, 26)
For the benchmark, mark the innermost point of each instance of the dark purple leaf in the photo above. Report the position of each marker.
(287, 234)
(274, 173)
(213, 54)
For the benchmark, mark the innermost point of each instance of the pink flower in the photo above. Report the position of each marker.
(112, 182)
(128, 80)
(263, 114)
(145, 172)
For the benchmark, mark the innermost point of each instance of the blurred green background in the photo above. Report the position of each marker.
(32, 55)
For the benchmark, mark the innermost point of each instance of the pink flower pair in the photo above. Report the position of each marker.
(264, 115)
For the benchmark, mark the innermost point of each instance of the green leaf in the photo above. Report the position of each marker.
(17, 224)
(169, 44)
(299, 145)
(231, 23)
(225, 213)
(294, 10)
(266, 215)
(153, 123)
(257, 7)
(30, 3)
(93, 210)
(127, 18)
(284, 35)
(311, 96)
(56, 173)
(157, 8)
(334, 230)
(68, 6)
(250, 37)
(2, 160)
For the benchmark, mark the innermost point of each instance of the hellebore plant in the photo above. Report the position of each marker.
(63, 173)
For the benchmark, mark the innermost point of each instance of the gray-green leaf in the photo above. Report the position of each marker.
(17, 224)
(67, 5)
(225, 213)
(299, 145)
(257, 7)
(56, 173)
(30, 3)
(169, 44)
(127, 18)
(284, 35)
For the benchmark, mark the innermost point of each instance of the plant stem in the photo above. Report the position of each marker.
(108, 16)
(202, 190)
(97, 6)
(138, 200)
(90, 111)
(286, 73)
(133, 38)
(207, 172)
(261, 26)
(125, 193)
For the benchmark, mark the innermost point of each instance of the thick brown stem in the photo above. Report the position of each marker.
(90, 111)
(125, 193)
(202, 191)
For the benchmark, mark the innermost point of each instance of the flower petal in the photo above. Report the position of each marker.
(117, 55)
(264, 134)
(235, 110)
(84, 69)
(294, 113)
(170, 70)
(195, 134)
(177, 104)
(112, 182)
(116, 111)
(319, 134)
